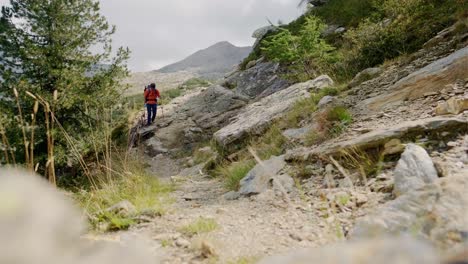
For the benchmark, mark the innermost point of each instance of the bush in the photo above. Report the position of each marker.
(348, 13)
(306, 51)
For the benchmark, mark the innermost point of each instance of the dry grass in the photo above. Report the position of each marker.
(200, 226)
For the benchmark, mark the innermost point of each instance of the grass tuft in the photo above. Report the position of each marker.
(233, 172)
(200, 226)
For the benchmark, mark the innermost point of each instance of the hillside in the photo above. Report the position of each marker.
(212, 62)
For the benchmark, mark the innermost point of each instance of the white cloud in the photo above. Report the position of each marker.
(162, 31)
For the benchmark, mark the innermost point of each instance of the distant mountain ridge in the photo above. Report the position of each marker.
(212, 62)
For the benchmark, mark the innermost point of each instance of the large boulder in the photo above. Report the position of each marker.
(38, 224)
(414, 170)
(438, 212)
(385, 250)
(258, 81)
(263, 176)
(254, 118)
(212, 108)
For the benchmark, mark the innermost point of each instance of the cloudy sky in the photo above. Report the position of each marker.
(160, 32)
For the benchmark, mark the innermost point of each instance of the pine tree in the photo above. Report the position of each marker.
(61, 48)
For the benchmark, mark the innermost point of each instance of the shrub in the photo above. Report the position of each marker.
(307, 50)
(348, 13)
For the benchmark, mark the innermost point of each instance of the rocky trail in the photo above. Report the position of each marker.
(410, 126)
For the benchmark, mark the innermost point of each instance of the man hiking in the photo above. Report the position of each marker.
(151, 100)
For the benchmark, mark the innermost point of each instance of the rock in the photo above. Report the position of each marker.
(182, 243)
(261, 32)
(259, 178)
(250, 64)
(154, 147)
(365, 75)
(432, 212)
(431, 78)
(286, 181)
(340, 30)
(380, 137)
(327, 100)
(207, 250)
(254, 118)
(124, 208)
(297, 133)
(258, 81)
(452, 106)
(384, 250)
(319, 83)
(414, 170)
(230, 196)
(212, 108)
(39, 224)
(394, 146)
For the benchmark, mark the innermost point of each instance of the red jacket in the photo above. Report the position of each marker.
(151, 96)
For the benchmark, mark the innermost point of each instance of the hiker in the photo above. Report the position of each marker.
(151, 100)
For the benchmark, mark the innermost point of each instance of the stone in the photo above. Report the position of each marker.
(207, 250)
(256, 117)
(394, 146)
(258, 81)
(385, 250)
(327, 100)
(154, 147)
(431, 212)
(340, 30)
(297, 133)
(230, 196)
(380, 137)
(414, 170)
(40, 224)
(250, 64)
(365, 75)
(319, 83)
(182, 243)
(124, 208)
(453, 106)
(261, 32)
(259, 178)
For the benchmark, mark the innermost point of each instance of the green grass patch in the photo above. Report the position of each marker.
(233, 172)
(200, 226)
(194, 83)
(145, 192)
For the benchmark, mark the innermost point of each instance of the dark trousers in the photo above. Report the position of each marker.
(152, 110)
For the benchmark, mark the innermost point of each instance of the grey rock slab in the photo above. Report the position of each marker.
(259, 178)
(258, 81)
(380, 137)
(327, 100)
(386, 250)
(414, 170)
(434, 212)
(297, 133)
(254, 118)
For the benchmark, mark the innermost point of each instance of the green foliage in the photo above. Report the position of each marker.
(201, 226)
(53, 50)
(397, 28)
(348, 13)
(307, 50)
(271, 143)
(233, 172)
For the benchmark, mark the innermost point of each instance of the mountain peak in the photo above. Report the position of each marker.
(212, 62)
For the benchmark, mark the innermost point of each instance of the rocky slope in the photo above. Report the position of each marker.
(391, 188)
(410, 115)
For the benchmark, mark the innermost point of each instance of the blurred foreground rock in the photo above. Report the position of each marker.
(40, 225)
